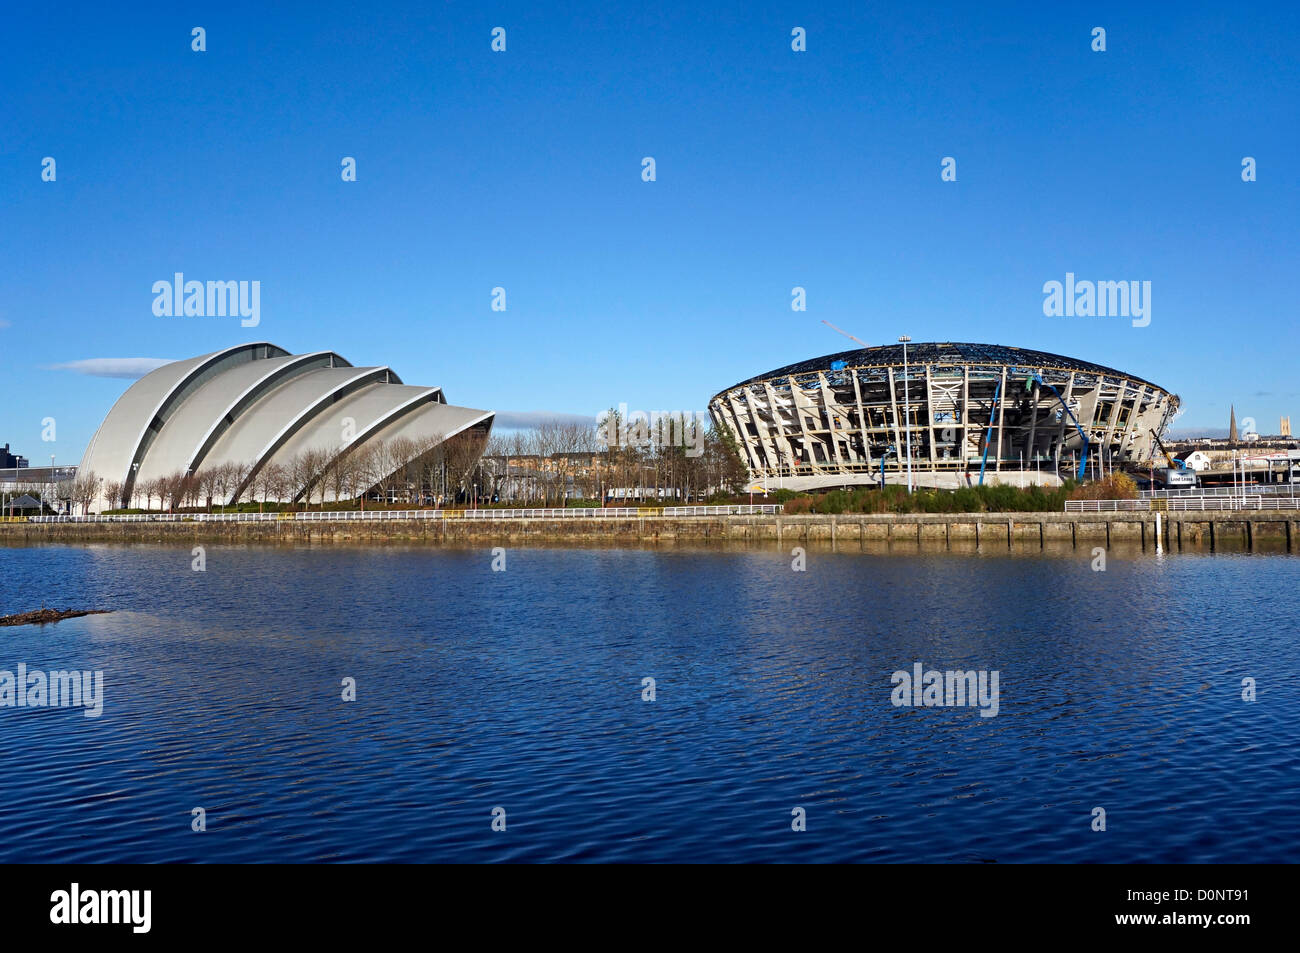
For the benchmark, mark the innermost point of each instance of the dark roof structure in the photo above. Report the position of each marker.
(942, 353)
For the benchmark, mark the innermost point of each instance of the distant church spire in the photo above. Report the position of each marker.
(1232, 423)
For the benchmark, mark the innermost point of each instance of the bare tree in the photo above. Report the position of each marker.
(193, 489)
(496, 461)
(208, 482)
(461, 454)
(402, 453)
(360, 472)
(429, 464)
(113, 490)
(175, 487)
(86, 490)
(298, 472)
(321, 478)
(238, 482)
(259, 486)
(145, 488)
(279, 482)
(339, 473)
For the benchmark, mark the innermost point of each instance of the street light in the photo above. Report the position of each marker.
(907, 412)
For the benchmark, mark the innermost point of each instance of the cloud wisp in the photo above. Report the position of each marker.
(532, 419)
(129, 368)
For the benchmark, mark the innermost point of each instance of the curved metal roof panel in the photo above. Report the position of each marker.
(285, 409)
(124, 435)
(178, 443)
(368, 409)
(392, 412)
(434, 420)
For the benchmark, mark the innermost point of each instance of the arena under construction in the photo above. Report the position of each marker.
(948, 415)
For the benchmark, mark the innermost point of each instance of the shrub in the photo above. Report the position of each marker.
(836, 501)
(799, 504)
(1113, 486)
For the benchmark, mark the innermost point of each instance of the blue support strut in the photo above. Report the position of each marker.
(1083, 457)
(988, 437)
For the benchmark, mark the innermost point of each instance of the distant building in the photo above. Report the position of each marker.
(9, 461)
(1232, 423)
(1286, 426)
(1196, 460)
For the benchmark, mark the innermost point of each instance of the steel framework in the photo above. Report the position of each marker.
(840, 419)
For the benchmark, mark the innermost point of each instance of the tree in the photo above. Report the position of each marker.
(724, 466)
(402, 454)
(429, 464)
(238, 481)
(299, 471)
(279, 482)
(495, 463)
(208, 481)
(461, 453)
(324, 463)
(144, 488)
(339, 476)
(85, 490)
(384, 466)
(174, 488)
(113, 490)
(259, 486)
(360, 472)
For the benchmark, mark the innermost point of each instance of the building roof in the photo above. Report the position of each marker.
(944, 353)
(257, 404)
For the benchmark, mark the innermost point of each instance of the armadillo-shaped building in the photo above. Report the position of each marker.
(256, 405)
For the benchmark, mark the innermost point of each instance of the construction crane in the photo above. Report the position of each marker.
(845, 333)
(1169, 458)
(1176, 473)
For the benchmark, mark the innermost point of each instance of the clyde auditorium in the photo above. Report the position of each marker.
(254, 405)
(971, 412)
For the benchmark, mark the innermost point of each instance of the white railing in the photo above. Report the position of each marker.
(576, 512)
(1282, 489)
(1184, 504)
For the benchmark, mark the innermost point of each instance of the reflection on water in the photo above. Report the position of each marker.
(523, 689)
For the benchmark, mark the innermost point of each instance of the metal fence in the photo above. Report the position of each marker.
(1185, 503)
(594, 512)
(1250, 489)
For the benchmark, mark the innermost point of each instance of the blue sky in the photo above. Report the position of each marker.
(522, 170)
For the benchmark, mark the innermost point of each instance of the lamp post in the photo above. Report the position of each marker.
(907, 412)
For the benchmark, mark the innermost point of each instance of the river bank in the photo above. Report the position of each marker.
(1273, 531)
